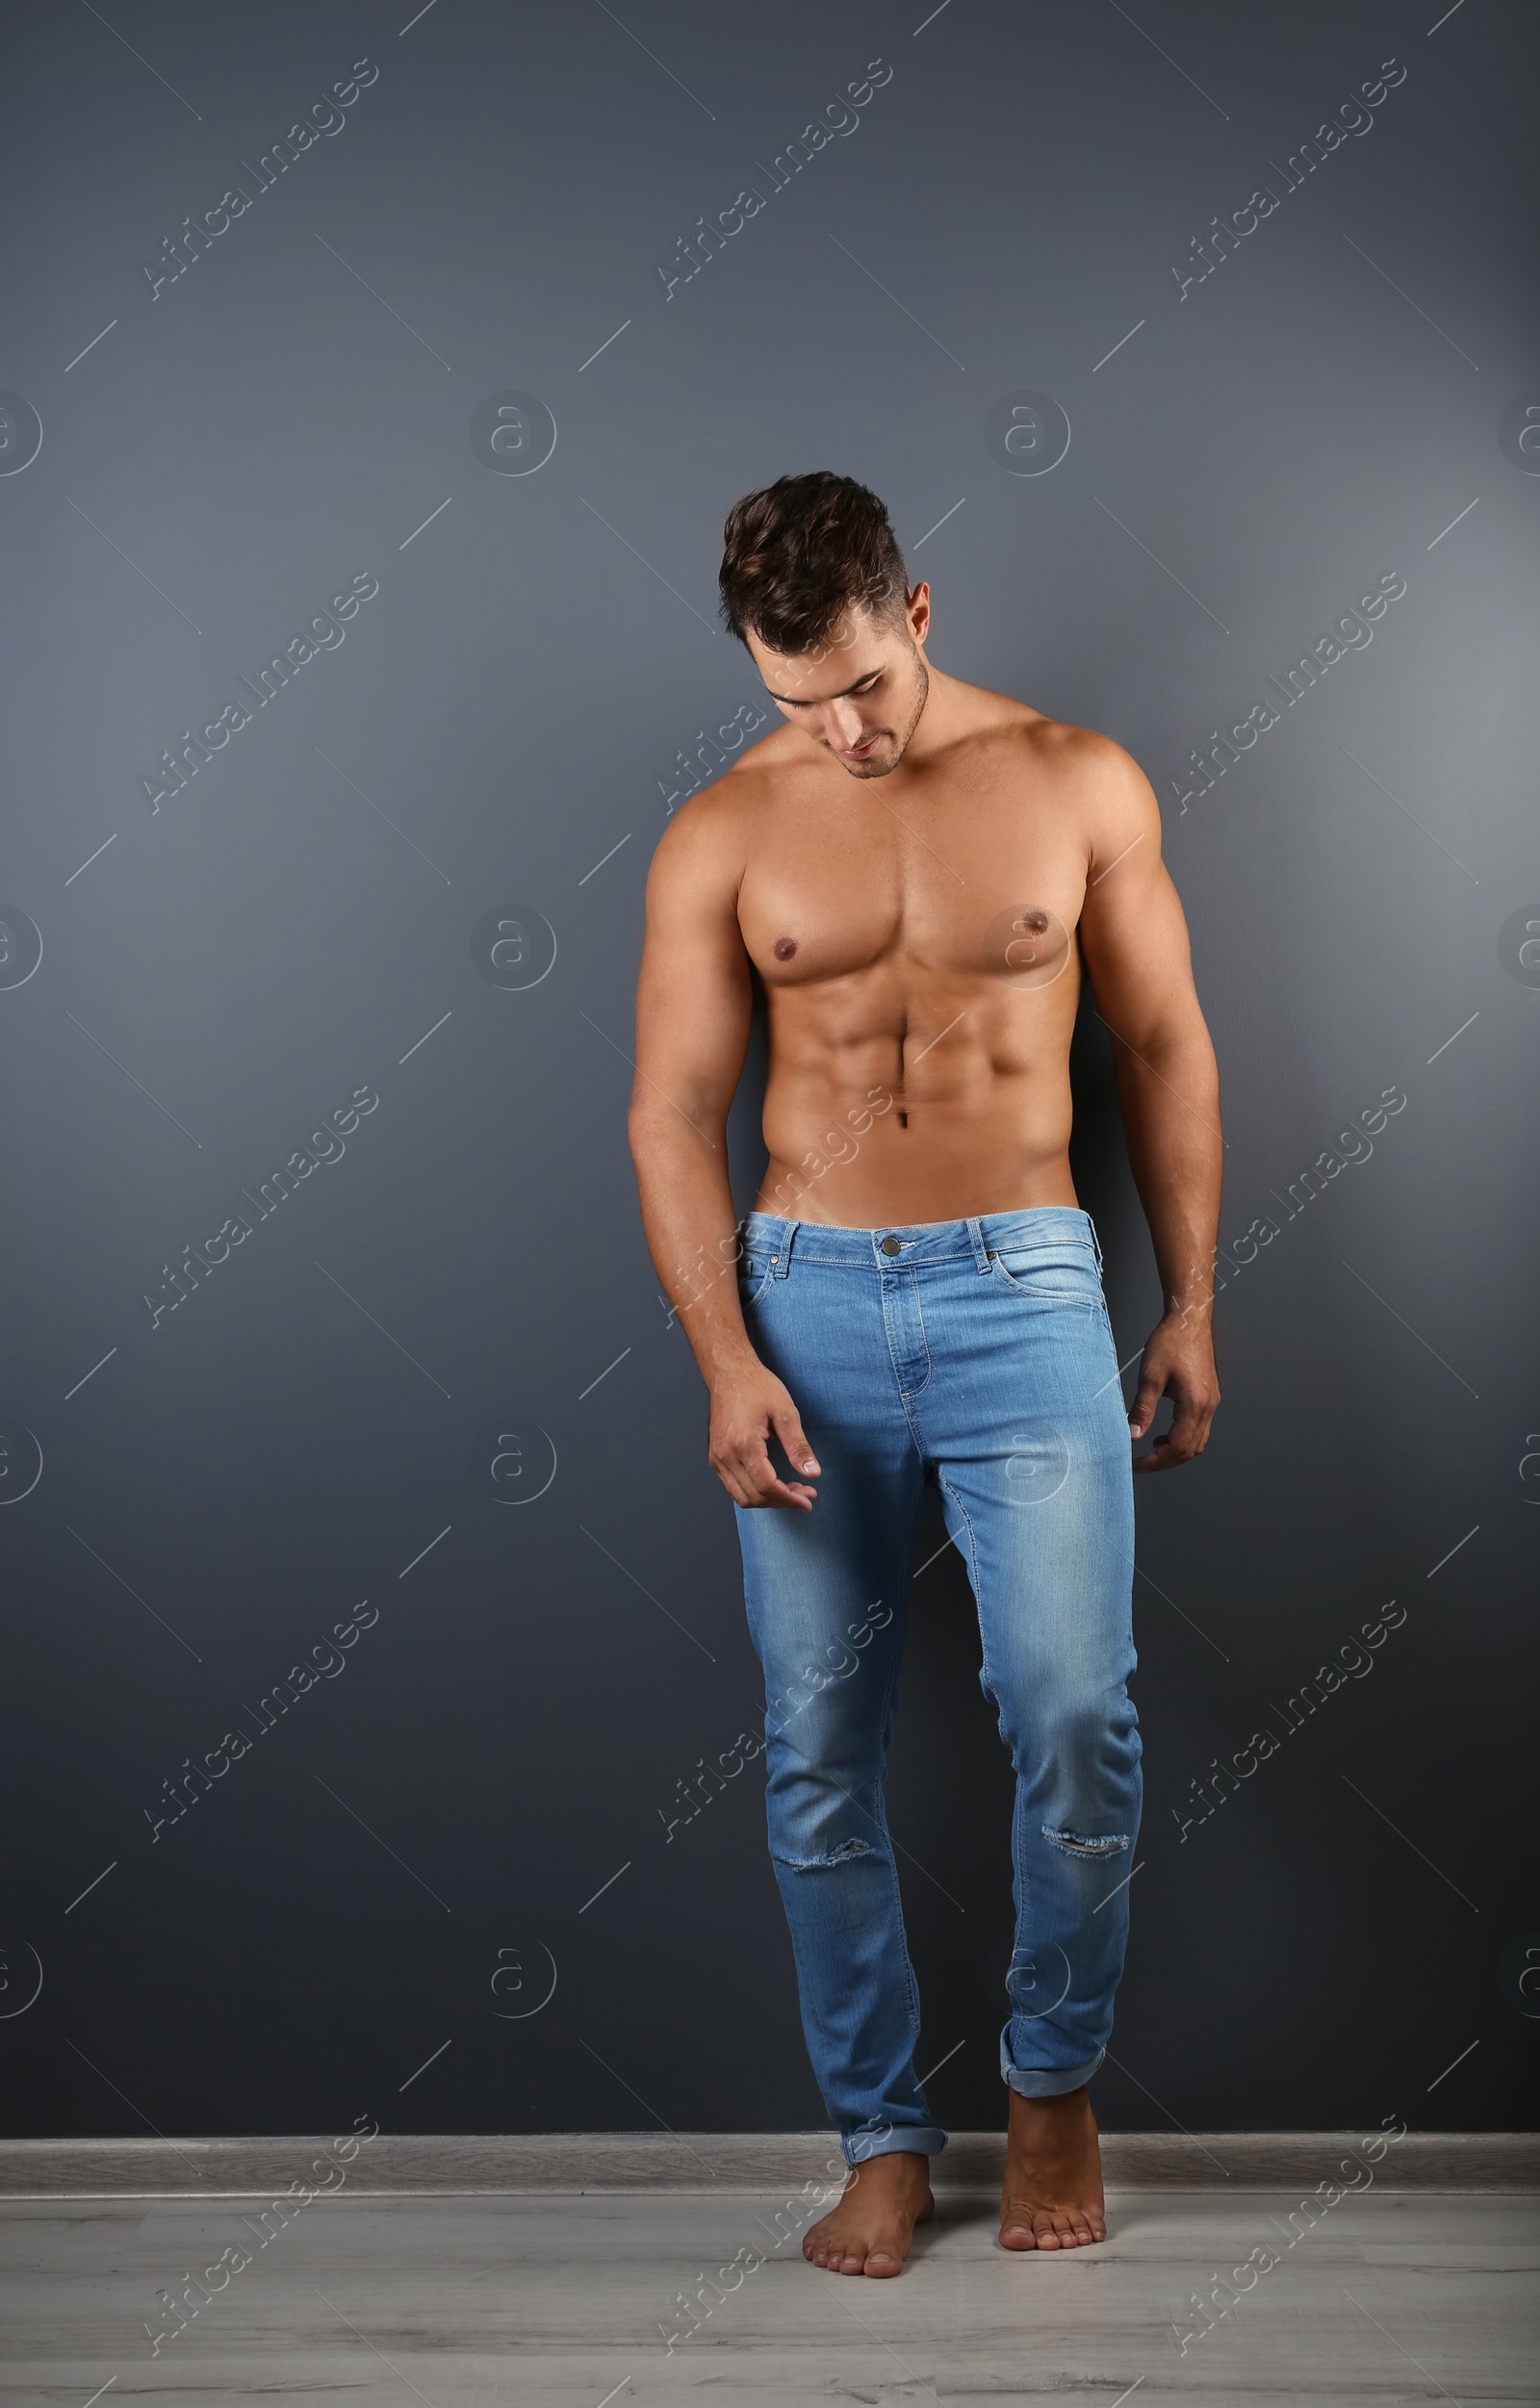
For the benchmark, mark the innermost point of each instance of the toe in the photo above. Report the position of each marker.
(1016, 2235)
(884, 2261)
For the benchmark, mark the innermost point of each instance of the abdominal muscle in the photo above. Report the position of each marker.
(859, 1137)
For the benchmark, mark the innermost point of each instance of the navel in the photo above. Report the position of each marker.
(785, 948)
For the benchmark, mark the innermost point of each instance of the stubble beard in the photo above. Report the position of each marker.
(878, 767)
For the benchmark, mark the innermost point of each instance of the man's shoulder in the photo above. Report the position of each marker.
(718, 812)
(709, 837)
(1080, 760)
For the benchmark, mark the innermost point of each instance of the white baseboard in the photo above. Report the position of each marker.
(408, 2165)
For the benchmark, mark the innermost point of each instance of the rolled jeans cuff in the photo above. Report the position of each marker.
(857, 2148)
(1044, 2082)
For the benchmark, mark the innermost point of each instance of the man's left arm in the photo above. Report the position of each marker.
(1134, 938)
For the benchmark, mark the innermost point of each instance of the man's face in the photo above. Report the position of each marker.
(860, 692)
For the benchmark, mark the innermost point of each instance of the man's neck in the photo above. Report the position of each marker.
(943, 720)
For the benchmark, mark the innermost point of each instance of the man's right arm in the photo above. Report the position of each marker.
(693, 1006)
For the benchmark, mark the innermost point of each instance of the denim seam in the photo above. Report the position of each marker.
(861, 1263)
(925, 1341)
(974, 1574)
(903, 1393)
(1044, 1295)
(883, 1727)
(920, 1262)
(910, 1991)
(1027, 1286)
(1019, 1853)
(924, 1260)
(1040, 1245)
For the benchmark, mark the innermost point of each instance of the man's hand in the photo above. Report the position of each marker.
(1178, 1363)
(747, 1406)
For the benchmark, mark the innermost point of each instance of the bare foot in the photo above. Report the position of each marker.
(1051, 2197)
(870, 2231)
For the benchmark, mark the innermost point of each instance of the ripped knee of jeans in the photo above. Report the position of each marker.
(1077, 1844)
(846, 1852)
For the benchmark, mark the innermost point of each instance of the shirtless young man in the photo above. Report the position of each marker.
(915, 871)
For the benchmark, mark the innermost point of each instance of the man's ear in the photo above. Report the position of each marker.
(918, 612)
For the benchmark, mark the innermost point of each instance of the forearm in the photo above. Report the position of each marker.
(1169, 1089)
(688, 1213)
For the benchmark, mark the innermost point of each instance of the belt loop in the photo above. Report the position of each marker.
(1096, 1241)
(779, 1268)
(981, 1258)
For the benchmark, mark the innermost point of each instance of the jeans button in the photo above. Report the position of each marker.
(893, 1245)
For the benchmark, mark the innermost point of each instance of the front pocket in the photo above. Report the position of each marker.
(754, 1274)
(1062, 1271)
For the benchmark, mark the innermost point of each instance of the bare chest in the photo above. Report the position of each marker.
(974, 887)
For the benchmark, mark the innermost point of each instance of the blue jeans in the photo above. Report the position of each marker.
(979, 1350)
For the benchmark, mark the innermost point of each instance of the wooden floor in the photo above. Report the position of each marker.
(466, 2302)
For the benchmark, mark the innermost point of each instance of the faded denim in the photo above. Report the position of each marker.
(979, 1350)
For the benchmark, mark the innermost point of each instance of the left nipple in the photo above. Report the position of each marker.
(785, 947)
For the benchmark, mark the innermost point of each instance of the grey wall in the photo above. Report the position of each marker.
(231, 1467)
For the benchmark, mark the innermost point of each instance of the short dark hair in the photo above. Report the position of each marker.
(801, 552)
